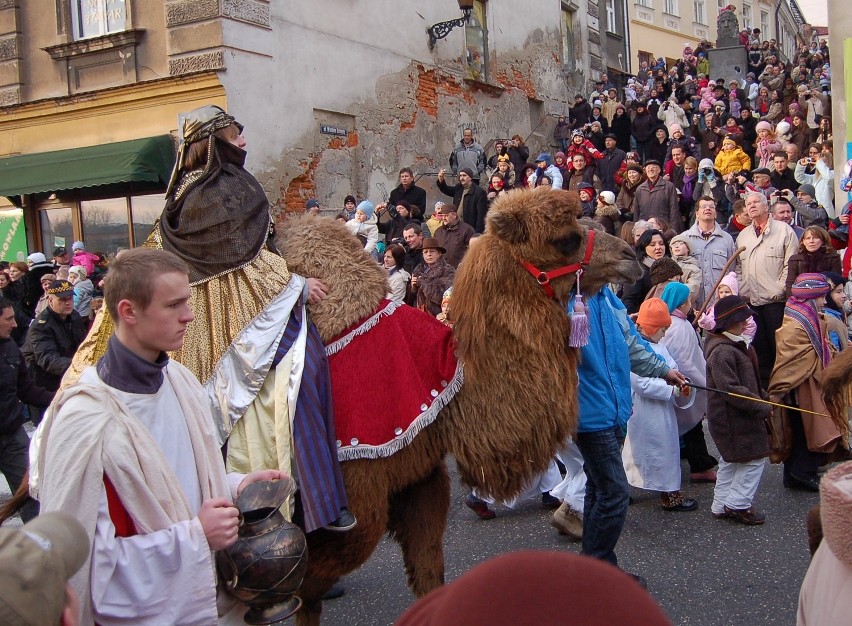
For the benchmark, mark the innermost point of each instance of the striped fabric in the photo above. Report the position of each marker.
(321, 488)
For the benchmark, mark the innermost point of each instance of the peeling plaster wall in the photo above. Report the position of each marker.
(365, 66)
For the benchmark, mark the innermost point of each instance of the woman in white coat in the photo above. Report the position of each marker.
(651, 454)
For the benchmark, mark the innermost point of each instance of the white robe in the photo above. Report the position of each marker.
(682, 343)
(651, 453)
(572, 489)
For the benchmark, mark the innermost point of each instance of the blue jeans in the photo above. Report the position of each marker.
(607, 495)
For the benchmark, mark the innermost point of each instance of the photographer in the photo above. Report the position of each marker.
(808, 210)
(393, 219)
(816, 169)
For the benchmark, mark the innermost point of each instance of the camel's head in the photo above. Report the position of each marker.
(322, 248)
(613, 261)
(541, 227)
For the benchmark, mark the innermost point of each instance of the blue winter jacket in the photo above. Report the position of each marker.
(614, 349)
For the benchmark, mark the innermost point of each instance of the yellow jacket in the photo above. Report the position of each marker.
(728, 161)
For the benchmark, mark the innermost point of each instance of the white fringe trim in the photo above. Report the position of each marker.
(352, 453)
(344, 341)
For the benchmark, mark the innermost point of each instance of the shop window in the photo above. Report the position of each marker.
(476, 44)
(569, 55)
(145, 211)
(93, 18)
(105, 225)
(57, 228)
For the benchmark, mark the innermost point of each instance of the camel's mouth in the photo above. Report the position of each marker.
(627, 271)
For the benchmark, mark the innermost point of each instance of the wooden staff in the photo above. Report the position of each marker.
(737, 395)
(722, 274)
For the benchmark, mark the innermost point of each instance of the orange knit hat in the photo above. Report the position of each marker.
(654, 315)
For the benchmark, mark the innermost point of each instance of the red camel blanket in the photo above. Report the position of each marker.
(391, 374)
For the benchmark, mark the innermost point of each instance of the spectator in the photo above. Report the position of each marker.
(808, 210)
(835, 311)
(580, 173)
(657, 197)
(731, 159)
(84, 258)
(815, 254)
(83, 290)
(364, 226)
(454, 236)
(500, 150)
(767, 145)
(781, 177)
(61, 258)
(817, 170)
(580, 112)
(468, 197)
(782, 211)
(506, 171)
(561, 132)
(398, 278)
(610, 163)
(38, 266)
(432, 277)
(580, 145)
(42, 302)
(800, 135)
(312, 206)
(650, 247)
(54, 337)
(762, 274)
(685, 142)
(626, 200)
(621, 127)
(349, 205)
(544, 166)
(468, 154)
(597, 116)
(606, 212)
(496, 189)
(518, 154)
(656, 150)
(413, 235)
(408, 191)
(642, 128)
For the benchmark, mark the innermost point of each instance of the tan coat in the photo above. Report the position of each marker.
(798, 368)
(762, 267)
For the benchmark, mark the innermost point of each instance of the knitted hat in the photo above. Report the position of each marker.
(675, 128)
(544, 156)
(782, 128)
(682, 238)
(349, 199)
(763, 126)
(834, 279)
(576, 133)
(560, 154)
(366, 207)
(607, 197)
(635, 167)
(469, 172)
(810, 285)
(674, 295)
(653, 315)
(448, 294)
(313, 203)
(633, 156)
(79, 270)
(504, 157)
(731, 282)
(582, 186)
(807, 189)
(728, 141)
(597, 104)
(78, 245)
(663, 269)
(37, 257)
(730, 310)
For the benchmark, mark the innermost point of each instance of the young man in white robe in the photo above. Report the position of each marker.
(129, 451)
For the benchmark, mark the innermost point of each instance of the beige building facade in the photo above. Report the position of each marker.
(336, 97)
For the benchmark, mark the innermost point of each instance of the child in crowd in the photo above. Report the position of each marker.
(587, 195)
(363, 226)
(728, 287)
(606, 212)
(651, 452)
(682, 253)
(444, 315)
(737, 424)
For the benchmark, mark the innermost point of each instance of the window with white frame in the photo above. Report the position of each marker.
(569, 55)
(700, 11)
(610, 16)
(649, 4)
(92, 18)
(671, 7)
(747, 20)
(476, 43)
(721, 4)
(764, 24)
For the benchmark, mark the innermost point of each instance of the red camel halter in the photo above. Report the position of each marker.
(544, 278)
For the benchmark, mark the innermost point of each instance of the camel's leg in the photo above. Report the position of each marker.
(309, 614)
(418, 518)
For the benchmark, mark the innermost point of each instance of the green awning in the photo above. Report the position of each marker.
(148, 160)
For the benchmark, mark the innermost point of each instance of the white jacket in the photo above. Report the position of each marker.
(366, 229)
(822, 180)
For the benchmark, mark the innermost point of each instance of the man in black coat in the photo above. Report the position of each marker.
(580, 112)
(408, 192)
(33, 291)
(54, 336)
(469, 199)
(609, 164)
(16, 387)
(781, 177)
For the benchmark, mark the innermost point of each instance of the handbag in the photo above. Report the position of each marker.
(780, 435)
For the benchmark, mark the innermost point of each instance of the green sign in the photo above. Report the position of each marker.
(13, 235)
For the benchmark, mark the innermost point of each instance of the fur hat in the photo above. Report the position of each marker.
(730, 310)
(764, 125)
(607, 197)
(366, 207)
(663, 269)
(674, 295)
(653, 315)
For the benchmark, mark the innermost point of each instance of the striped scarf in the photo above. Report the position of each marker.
(804, 312)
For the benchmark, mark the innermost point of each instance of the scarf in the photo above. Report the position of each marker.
(812, 261)
(804, 312)
(688, 186)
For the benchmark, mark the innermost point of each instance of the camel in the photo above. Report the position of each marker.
(518, 401)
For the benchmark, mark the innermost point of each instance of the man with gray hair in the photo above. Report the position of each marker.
(762, 274)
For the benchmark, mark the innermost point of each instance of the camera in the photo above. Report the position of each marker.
(398, 240)
(392, 210)
(707, 171)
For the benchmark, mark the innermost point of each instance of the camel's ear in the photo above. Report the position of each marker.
(508, 226)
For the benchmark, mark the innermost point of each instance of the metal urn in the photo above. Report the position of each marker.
(266, 565)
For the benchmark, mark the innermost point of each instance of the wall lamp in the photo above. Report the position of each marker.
(442, 29)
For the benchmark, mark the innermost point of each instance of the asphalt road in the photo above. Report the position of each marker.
(701, 570)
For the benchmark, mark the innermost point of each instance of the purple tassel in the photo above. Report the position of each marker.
(580, 329)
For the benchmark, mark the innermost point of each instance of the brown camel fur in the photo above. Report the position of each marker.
(518, 401)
